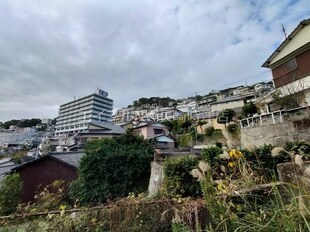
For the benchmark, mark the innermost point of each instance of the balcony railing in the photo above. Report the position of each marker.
(263, 119)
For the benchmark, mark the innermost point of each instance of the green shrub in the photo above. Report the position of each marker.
(185, 140)
(299, 147)
(178, 180)
(113, 168)
(210, 154)
(233, 129)
(209, 131)
(10, 191)
(249, 109)
(52, 197)
(219, 144)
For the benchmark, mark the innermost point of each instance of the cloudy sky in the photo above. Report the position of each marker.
(51, 51)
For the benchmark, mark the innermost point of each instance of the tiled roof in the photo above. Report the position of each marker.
(71, 158)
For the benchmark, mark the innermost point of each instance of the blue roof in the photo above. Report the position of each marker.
(164, 139)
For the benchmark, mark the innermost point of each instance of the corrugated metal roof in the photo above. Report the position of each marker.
(164, 139)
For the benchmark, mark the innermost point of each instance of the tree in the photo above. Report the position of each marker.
(288, 98)
(10, 191)
(249, 109)
(186, 125)
(200, 123)
(111, 168)
(168, 124)
(225, 116)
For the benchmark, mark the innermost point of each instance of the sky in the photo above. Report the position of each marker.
(53, 51)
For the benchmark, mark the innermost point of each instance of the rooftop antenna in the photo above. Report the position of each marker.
(284, 31)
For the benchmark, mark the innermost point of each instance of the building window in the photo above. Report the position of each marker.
(158, 131)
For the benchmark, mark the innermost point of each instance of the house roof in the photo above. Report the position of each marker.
(6, 169)
(162, 138)
(152, 124)
(285, 42)
(71, 158)
(104, 128)
(6, 162)
(122, 124)
(68, 158)
(233, 98)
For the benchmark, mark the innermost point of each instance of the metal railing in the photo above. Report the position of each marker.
(263, 119)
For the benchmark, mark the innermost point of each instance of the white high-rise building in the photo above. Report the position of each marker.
(74, 116)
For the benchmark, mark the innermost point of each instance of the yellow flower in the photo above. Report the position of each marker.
(62, 207)
(231, 164)
(221, 186)
(235, 154)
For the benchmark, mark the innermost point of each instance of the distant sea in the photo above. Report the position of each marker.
(17, 137)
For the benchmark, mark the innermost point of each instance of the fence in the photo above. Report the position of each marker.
(263, 119)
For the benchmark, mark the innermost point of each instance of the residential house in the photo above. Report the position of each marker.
(234, 102)
(156, 132)
(290, 66)
(99, 130)
(150, 129)
(166, 113)
(162, 142)
(44, 171)
(241, 90)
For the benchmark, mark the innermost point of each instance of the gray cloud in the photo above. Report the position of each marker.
(52, 51)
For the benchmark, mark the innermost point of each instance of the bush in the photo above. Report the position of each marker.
(233, 129)
(178, 180)
(185, 140)
(10, 191)
(249, 109)
(299, 147)
(210, 154)
(113, 168)
(52, 197)
(209, 131)
(219, 144)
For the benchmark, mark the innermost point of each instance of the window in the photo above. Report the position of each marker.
(158, 131)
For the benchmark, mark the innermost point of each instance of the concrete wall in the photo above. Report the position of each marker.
(156, 179)
(295, 126)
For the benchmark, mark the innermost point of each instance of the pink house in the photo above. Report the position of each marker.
(150, 129)
(154, 131)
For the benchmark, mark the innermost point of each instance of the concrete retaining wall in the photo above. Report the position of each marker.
(295, 126)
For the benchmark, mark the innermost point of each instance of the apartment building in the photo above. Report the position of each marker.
(75, 115)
